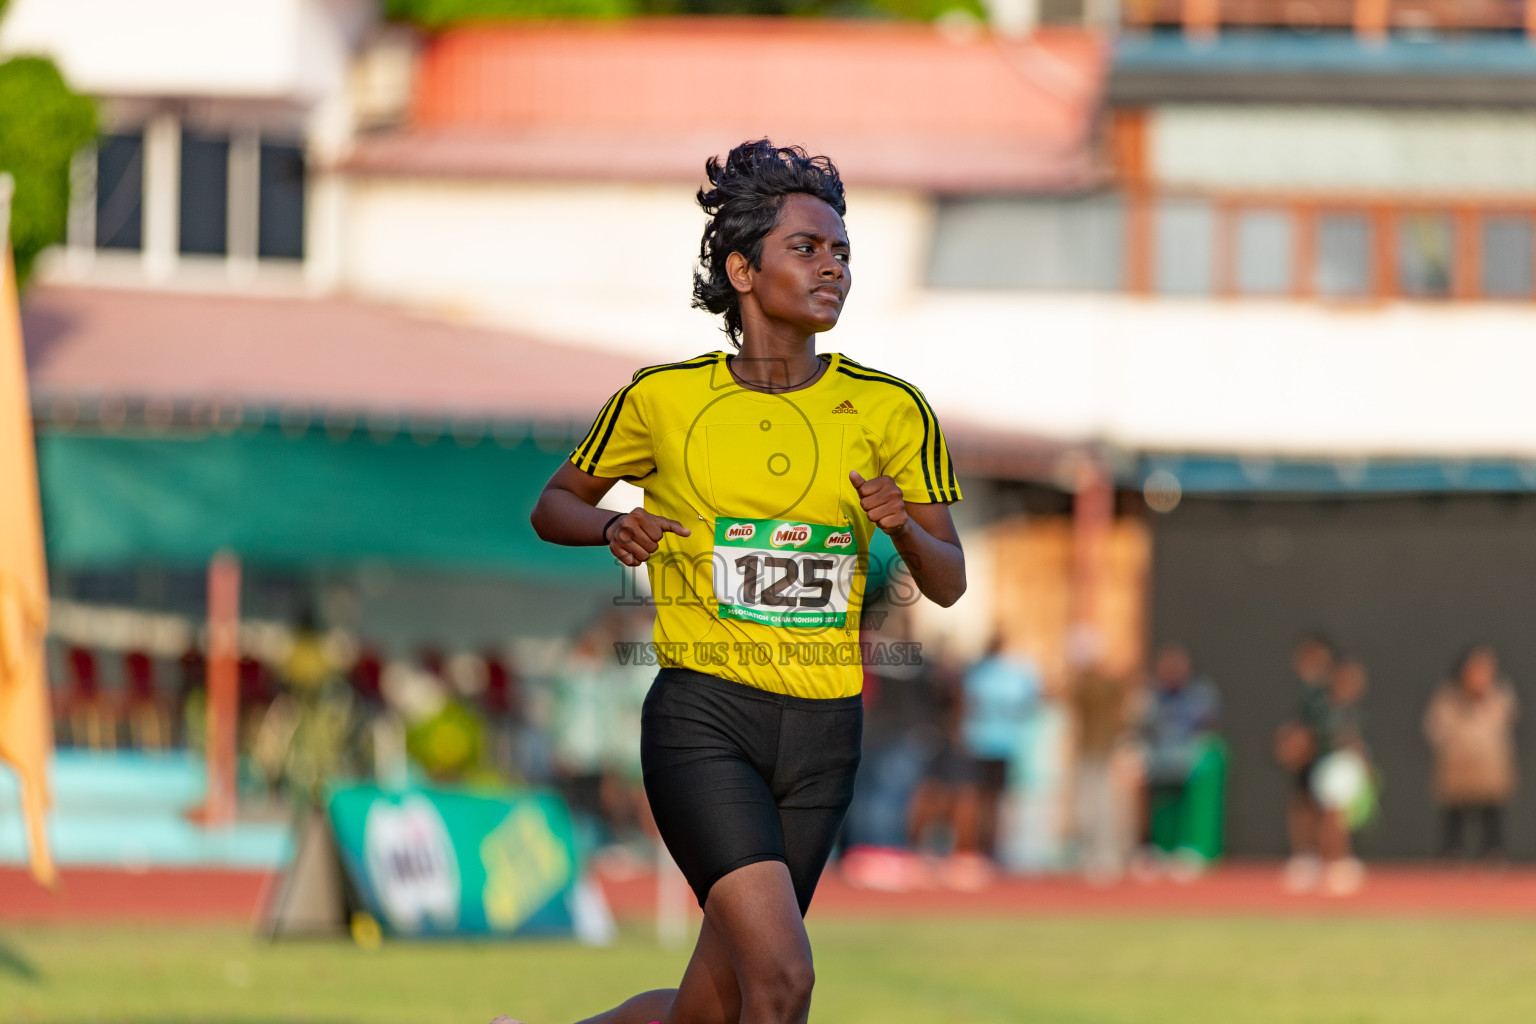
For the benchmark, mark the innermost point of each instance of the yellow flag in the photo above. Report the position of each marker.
(26, 733)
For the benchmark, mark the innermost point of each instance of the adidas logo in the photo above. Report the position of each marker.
(847, 406)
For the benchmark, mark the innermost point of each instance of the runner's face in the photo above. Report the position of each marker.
(804, 278)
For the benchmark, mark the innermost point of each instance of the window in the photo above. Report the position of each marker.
(1181, 244)
(281, 218)
(1343, 268)
(234, 195)
(1265, 252)
(120, 192)
(1184, 246)
(204, 221)
(1507, 257)
(1063, 12)
(1426, 254)
(1044, 244)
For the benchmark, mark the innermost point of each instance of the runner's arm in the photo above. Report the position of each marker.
(923, 533)
(567, 513)
(931, 548)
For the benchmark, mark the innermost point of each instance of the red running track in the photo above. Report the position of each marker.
(102, 895)
(1403, 890)
(108, 895)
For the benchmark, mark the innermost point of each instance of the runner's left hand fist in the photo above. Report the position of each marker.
(882, 502)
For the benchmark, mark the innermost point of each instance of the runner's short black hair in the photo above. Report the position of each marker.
(743, 199)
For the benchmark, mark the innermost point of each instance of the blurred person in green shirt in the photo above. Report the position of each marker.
(1297, 748)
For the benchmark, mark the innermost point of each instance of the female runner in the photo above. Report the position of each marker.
(765, 474)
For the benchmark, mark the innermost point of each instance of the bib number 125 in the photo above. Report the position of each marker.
(811, 573)
(783, 573)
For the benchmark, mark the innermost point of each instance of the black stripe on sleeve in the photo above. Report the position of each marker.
(591, 438)
(618, 400)
(941, 460)
(922, 409)
(940, 457)
(618, 407)
(690, 364)
(943, 464)
(949, 461)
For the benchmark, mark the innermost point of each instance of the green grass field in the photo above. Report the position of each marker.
(1142, 970)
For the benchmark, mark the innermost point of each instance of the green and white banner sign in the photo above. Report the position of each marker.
(782, 572)
(434, 862)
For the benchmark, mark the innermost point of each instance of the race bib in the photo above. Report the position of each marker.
(780, 572)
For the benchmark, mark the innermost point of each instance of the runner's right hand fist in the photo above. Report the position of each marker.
(634, 538)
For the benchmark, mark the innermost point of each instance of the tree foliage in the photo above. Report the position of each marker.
(436, 14)
(42, 125)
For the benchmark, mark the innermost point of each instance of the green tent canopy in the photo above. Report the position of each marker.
(306, 498)
(302, 499)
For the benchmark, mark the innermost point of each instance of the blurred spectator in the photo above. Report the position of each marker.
(1182, 708)
(1470, 727)
(1039, 816)
(367, 677)
(307, 666)
(90, 719)
(1297, 748)
(1099, 700)
(899, 696)
(189, 705)
(999, 693)
(1341, 778)
(581, 691)
(432, 660)
(1185, 761)
(1325, 750)
(625, 807)
(377, 736)
(502, 704)
(149, 719)
(305, 735)
(500, 696)
(449, 743)
(997, 696)
(256, 696)
(910, 769)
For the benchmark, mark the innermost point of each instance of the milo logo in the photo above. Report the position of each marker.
(840, 540)
(790, 535)
(741, 531)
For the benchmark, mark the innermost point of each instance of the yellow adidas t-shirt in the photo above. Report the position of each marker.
(767, 588)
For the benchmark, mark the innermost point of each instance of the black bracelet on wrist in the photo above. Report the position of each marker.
(609, 523)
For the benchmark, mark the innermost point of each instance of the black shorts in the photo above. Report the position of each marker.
(737, 775)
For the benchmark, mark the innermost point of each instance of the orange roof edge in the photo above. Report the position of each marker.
(571, 98)
(752, 27)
